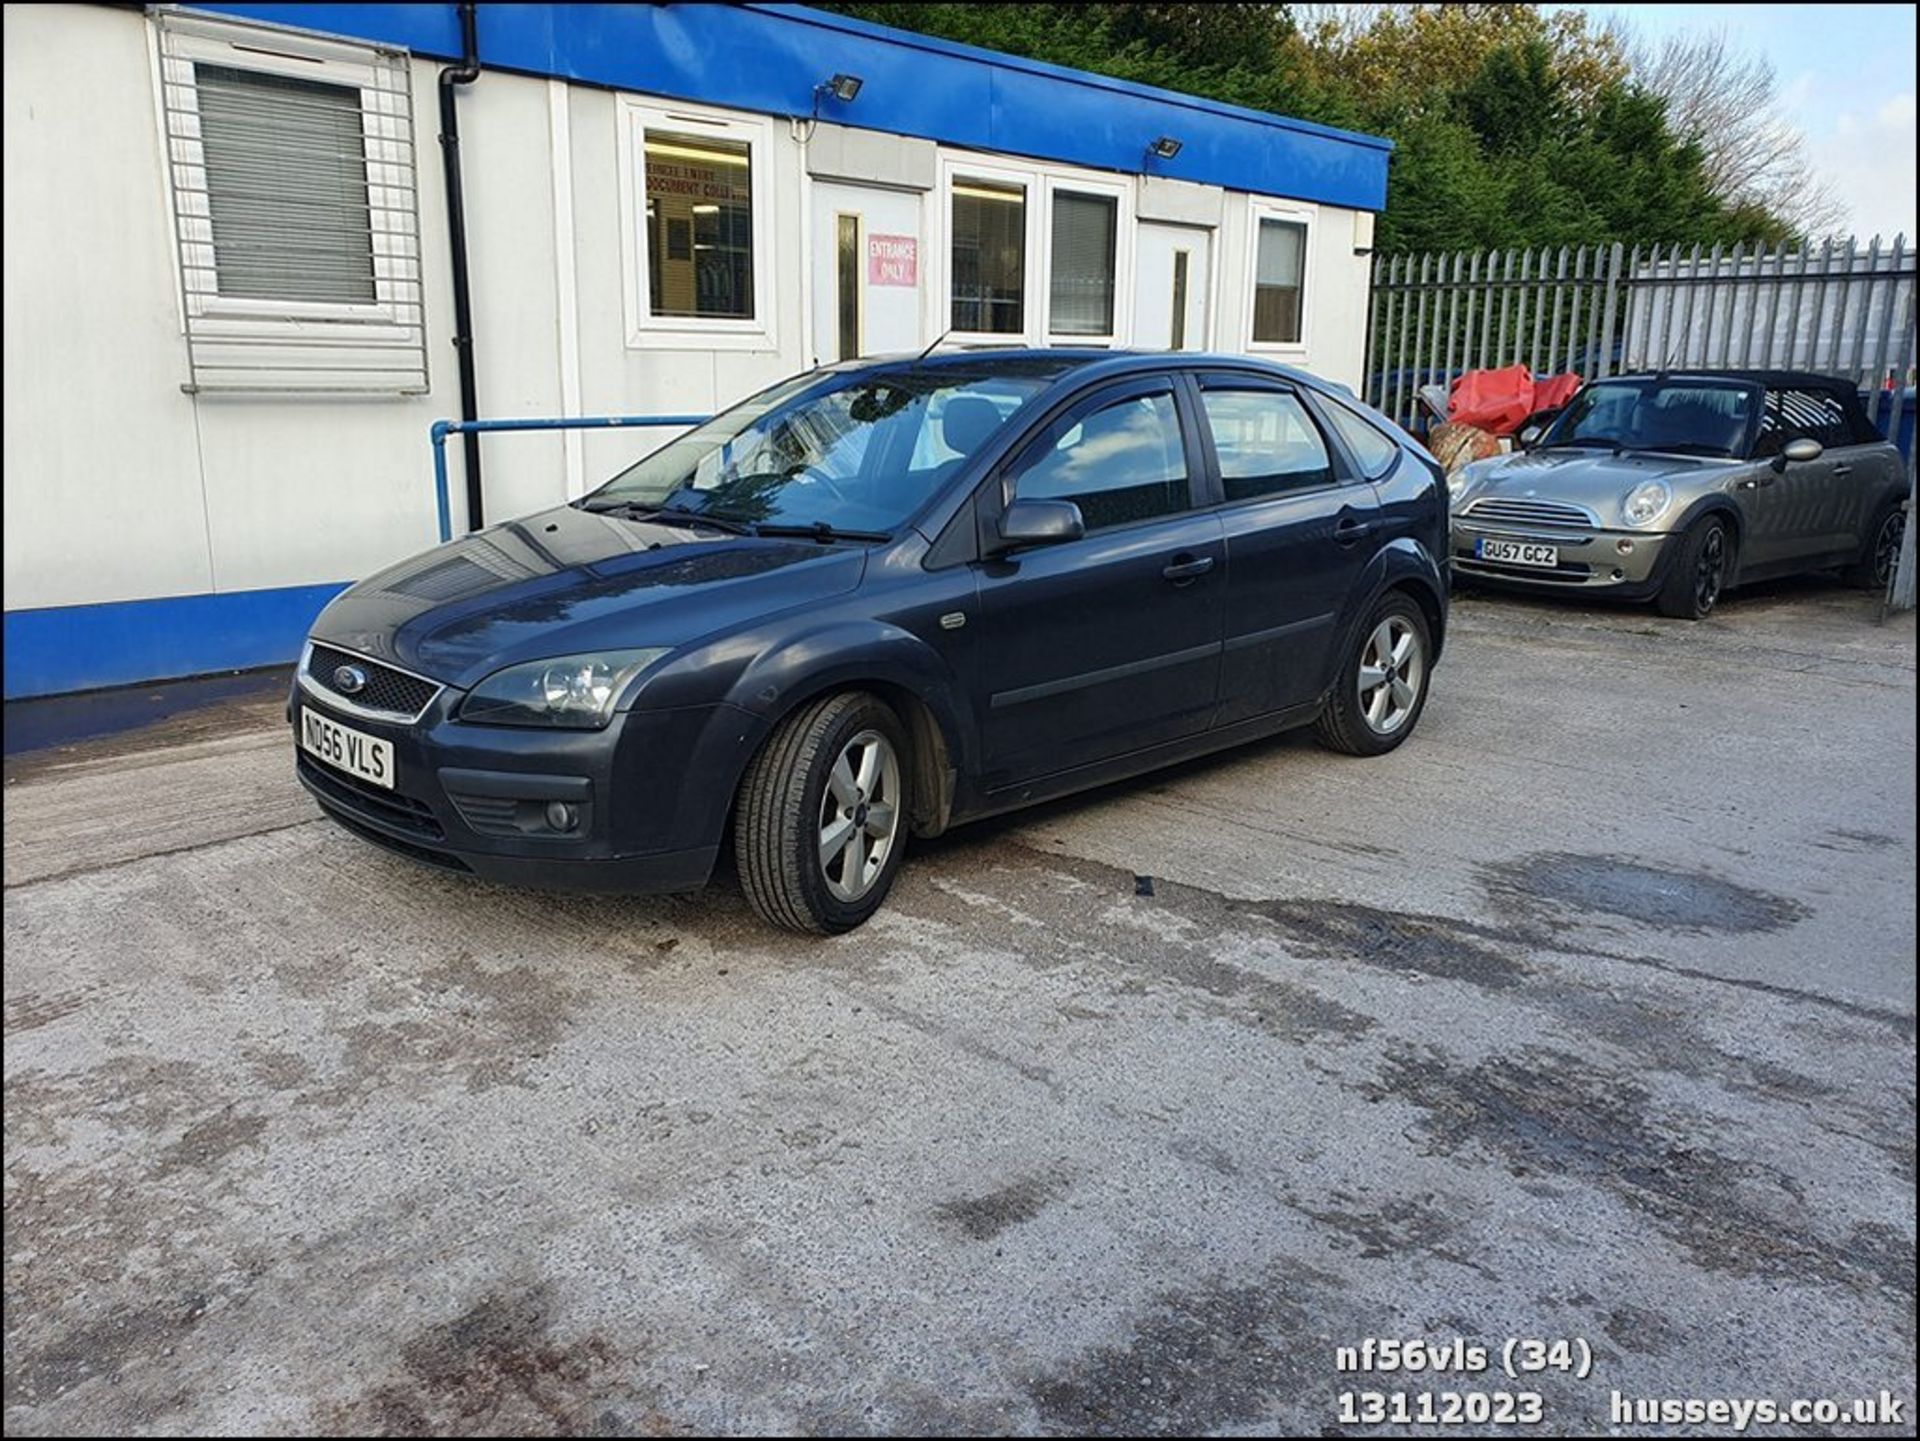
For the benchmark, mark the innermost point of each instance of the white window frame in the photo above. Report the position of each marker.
(1295, 213)
(1122, 192)
(1040, 182)
(391, 180)
(958, 170)
(645, 330)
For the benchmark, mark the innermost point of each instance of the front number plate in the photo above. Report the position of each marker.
(347, 749)
(1517, 552)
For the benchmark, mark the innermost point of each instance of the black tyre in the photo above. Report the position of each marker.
(1881, 552)
(1698, 572)
(1382, 685)
(822, 815)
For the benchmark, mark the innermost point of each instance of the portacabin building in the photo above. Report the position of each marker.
(255, 251)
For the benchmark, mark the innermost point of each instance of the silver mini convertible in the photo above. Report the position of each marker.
(1675, 487)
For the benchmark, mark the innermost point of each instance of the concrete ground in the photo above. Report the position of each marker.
(1587, 1014)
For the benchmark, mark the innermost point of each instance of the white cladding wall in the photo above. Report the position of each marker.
(120, 486)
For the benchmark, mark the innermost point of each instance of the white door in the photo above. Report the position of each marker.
(1170, 298)
(868, 265)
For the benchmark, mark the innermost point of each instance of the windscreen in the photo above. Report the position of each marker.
(1690, 417)
(859, 451)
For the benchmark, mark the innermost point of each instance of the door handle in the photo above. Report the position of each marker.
(1754, 482)
(1185, 569)
(1843, 469)
(1348, 530)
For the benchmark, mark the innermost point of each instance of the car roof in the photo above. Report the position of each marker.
(1071, 361)
(1771, 379)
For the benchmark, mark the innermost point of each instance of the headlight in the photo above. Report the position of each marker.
(1645, 502)
(570, 690)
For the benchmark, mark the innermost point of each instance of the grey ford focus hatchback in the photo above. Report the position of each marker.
(875, 601)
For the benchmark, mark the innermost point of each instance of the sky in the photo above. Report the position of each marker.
(1846, 75)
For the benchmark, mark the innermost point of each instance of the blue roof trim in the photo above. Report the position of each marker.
(768, 58)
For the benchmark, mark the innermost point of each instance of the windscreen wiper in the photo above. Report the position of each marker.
(819, 530)
(671, 515)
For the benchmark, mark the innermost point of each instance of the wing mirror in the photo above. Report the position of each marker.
(1040, 522)
(1530, 436)
(1801, 448)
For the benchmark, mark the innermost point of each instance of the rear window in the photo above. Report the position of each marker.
(1374, 452)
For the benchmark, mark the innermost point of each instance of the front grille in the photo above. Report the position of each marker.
(387, 689)
(373, 802)
(1516, 511)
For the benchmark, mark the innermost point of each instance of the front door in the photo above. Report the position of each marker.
(1790, 504)
(1170, 298)
(1111, 643)
(866, 271)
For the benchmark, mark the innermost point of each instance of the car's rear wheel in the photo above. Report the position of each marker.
(1382, 686)
(821, 819)
(1874, 569)
(1699, 571)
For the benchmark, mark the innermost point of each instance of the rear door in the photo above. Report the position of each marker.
(1110, 643)
(1299, 526)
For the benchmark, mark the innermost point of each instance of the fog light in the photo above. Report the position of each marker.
(561, 816)
(1619, 574)
(1625, 547)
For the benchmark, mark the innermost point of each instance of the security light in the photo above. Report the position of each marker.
(1166, 147)
(844, 88)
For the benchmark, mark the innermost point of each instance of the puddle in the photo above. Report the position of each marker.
(1666, 899)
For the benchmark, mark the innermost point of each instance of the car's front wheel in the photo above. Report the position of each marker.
(1698, 572)
(1382, 686)
(821, 819)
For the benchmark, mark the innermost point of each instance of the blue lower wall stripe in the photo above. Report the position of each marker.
(84, 647)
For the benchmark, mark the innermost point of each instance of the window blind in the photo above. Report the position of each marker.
(286, 167)
(1081, 290)
(1276, 284)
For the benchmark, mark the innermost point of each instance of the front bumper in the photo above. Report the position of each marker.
(1591, 559)
(648, 794)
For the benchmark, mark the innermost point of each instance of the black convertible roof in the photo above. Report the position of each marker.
(1774, 379)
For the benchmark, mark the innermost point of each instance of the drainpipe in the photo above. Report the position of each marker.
(465, 73)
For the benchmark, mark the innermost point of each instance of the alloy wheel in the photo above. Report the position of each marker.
(1886, 548)
(859, 815)
(1710, 572)
(1392, 670)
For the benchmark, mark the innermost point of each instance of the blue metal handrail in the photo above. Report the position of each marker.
(443, 428)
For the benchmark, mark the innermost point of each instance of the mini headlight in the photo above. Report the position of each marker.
(569, 690)
(1645, 502)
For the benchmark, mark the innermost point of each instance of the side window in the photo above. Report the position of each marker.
(1266, 442)
(1374, 452)
(1791, 414)
(1121, 463)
